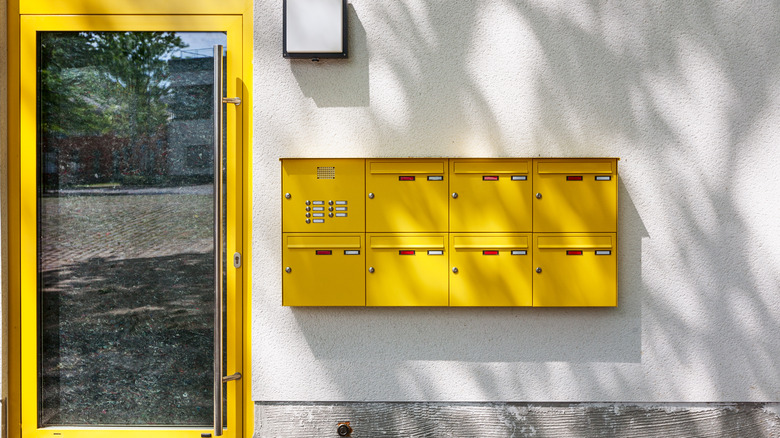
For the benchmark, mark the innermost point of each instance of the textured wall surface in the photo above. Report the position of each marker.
(686, 93)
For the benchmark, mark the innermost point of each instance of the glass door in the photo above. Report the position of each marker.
(130, 307)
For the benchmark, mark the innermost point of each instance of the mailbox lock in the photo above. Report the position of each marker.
(538, 196)
(288, 269)
(371, 269)
(454, 196)
(370, 196)
(454, 270)
(344, 429)
(287, 195)
(538, 270)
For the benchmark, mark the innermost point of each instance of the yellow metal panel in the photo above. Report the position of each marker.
(133, 7)
(331, 241)
(406, 280)
(490, 241)
(334, 190)
(565, 205)
(488, 273)
(586, 280)
(334, 279)
(575, 166)
(407, 242)
(575, 242)
(406, 167)
(485, 198)
(414, 205)
(501, 166)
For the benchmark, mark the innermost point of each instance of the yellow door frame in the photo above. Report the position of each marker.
(25, 17)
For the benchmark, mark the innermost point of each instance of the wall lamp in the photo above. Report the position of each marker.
(315, 29)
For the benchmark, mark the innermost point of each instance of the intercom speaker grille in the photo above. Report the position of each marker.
(326, 173)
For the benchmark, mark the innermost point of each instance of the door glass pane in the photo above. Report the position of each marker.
(125, 228)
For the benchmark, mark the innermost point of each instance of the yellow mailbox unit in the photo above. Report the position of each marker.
(323, 269)
(490, 196)
(406, 196)
(490, 269)
(323, 195)
(575, 269)
(407, 269)
(465, 232)
(575, 195)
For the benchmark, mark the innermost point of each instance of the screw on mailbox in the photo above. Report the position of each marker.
(371, 269)
(370, 196)
(538, 270)
(538, 196)
(288, 269)
(454, 196)
(287, 195)
(454, 270)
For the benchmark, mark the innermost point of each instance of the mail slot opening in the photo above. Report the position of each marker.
(574, 252)
(574, 178)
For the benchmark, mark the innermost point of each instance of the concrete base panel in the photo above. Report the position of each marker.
(485, 420)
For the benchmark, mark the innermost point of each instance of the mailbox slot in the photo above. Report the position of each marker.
(576, 270)
(324, 183)
(402, 197)
(492, 195)
(575, 195)
(491, 270)
(408, 270)
(325, 270)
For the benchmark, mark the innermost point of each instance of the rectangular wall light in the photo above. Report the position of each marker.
(315, 29)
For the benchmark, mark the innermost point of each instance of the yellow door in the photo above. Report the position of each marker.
(490, 269)
(575, 269)
(406, 196)
(124, 298)
(407, 270)
(323, 195)
(490, 196)
(323, 270)
(575, 195)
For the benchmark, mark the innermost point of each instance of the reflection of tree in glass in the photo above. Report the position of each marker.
(103, 107)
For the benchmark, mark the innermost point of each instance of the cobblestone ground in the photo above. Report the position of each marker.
(126, 309)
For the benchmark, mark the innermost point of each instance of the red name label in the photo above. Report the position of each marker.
(573, 252)
(574, 178)
(405, 178)
(406, 252)
(490, 178)
(489, 252)
(324, 252)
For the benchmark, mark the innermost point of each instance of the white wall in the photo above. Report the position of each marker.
(686, 93)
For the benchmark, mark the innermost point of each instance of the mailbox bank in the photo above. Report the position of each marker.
(449, 232)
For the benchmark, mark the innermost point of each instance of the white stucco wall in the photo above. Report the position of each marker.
(686, 93)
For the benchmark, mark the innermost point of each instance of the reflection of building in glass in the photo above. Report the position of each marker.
(190, 131)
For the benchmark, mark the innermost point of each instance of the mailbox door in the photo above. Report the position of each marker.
(324, 270)
(492, 270)
(575, 195)
(575, 269)
(408, 270)
(325, 195)
(492, 195)
(406, 196)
